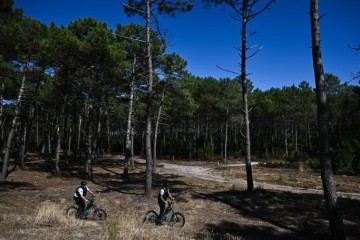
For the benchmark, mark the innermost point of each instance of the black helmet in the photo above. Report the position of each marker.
(83, 183)
(165, 184)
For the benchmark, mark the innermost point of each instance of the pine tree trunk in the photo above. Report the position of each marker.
(148, 185)
(7, 146)
(23, 148)
(286, 154)
(335, 215)
(226, 135)
(89, 149)
(58, 149)
(157, 129)
(128, 152)
(132, 148)
(250, 183)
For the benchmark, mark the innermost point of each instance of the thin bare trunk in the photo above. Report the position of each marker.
(226, 135)
(309, 136)
(49, 150)
(286, 154)
(79, 133)
(89, 154)
(157, 129)
(89, 149)
(333, 208)
(148, 185)
(128, 152)
(58, 149)
(69, 141)
(23, 148)
(132, 148)
(250, 183)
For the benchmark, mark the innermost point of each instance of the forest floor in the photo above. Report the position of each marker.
(286, 203)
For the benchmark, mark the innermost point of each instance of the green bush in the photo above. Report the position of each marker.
(200, 153)
(346, 155)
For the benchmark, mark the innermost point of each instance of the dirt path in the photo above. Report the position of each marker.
(208, 173)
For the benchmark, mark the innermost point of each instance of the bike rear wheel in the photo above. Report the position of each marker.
(177, 220)
(72, 212)
(100, 214)
(150, 217)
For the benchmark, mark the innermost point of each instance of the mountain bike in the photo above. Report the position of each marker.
(170, 216)
(91, 209)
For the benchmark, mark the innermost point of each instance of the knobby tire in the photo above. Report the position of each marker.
(177, 220)
(100, 215)
(150, 217)
(72, 212)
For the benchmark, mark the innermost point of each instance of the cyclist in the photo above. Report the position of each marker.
(79, 197)
(162, 199)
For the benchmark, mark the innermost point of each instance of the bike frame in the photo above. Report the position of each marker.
(90, 205)
(169, 211)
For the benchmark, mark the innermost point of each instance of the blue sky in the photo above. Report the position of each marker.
(208, 37)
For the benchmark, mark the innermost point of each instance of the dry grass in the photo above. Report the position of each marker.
(32, 206)
(48, 221)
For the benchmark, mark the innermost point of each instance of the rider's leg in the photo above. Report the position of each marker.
(81, 206)
(162, 210)
(78, 204)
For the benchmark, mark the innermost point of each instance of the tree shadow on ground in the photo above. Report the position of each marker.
(107, 174)
(135, 183)
(299, 215)
(8, 186)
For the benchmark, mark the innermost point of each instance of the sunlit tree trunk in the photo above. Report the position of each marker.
(335, 215)
(132, 162)
(128, 144)
(7, 146)
(157, 128)
(250, 182)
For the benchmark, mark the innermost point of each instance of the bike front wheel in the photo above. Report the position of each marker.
(177, 220)
(72, 212)
(150, 217)
(100, 215)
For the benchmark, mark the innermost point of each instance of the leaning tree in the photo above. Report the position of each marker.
(335, 216)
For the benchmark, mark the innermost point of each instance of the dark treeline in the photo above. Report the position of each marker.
(68, 93)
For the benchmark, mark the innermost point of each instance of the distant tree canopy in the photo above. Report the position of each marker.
(77, 90)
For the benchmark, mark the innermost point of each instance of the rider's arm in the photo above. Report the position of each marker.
(82, 196)
(90, 191)
(162, 199)
(170, 196)
(80, 193)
